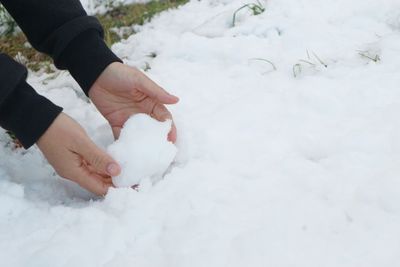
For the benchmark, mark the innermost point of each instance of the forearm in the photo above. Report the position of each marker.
(62, 29)
(22, 111)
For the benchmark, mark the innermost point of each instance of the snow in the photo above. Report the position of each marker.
(142, 150)
(101, 6)
(271, 169)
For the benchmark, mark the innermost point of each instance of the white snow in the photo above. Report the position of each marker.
(142, 150)
(271, 170)
(101, 6)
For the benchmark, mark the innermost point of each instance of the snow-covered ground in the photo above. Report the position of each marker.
(101, 6)
(272, 169)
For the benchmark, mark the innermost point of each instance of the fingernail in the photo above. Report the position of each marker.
(173, 96)
(113, 169)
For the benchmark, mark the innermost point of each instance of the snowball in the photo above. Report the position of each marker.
(142, 150)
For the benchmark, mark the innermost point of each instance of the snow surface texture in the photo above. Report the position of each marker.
(271, 170)
(142, 150)
(101, 6)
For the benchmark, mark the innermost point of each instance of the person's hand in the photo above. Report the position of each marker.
(74, 156)
(122, 91)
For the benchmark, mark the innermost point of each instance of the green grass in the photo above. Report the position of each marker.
(255, 8)
(370, 56)
(265, 60)
(312, 61)
(121, 16)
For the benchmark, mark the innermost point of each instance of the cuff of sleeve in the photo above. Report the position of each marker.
(27, 114)
(86, 57)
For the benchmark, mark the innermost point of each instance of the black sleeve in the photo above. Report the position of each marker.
(23, 111)
(61, 29)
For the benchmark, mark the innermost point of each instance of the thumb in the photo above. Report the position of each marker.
(99, 160)
(150, 88)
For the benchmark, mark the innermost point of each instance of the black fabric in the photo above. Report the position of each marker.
(90, 64)
(61, 29)
(27, 114)
(11, 74)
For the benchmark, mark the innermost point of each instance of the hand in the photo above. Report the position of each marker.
(122, 91)
(75, 157)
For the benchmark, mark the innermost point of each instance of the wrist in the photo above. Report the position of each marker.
(106, 72)
(27, 114)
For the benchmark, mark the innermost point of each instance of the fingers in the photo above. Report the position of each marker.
(116, 131)
(75, 157)
(154, 91)
(161, 113)
(93, 182)
(172, 135)
(98, 159)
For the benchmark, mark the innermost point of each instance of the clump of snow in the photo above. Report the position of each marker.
(142, 150)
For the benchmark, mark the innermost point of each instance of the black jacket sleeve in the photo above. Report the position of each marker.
(61, 29)
(23, 111)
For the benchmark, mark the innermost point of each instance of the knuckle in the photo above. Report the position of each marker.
(98, 160)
